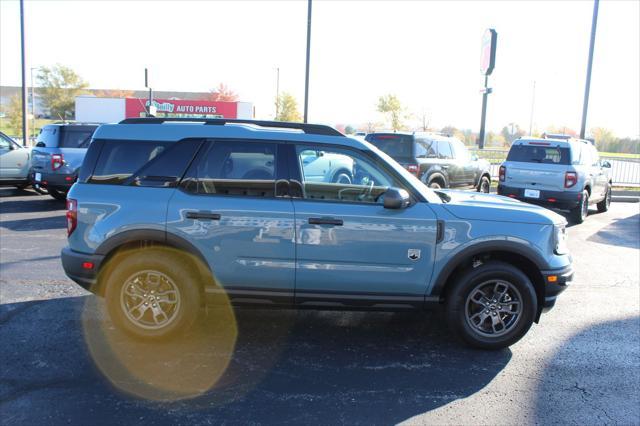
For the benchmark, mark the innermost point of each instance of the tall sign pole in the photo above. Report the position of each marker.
(25, 122)
(487, 63)
(587, 87)
(306, 78)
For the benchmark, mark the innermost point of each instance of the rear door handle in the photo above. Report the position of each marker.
(203, 215)
(325, 221)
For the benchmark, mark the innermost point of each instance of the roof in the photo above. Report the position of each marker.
(177, 129)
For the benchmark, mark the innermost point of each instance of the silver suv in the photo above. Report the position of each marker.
(557, 171)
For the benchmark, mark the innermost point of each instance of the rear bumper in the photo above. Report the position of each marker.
(58, 181)
(72, 263)
(558, 199)
(555, 282)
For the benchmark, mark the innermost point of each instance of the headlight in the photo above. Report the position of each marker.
(561, 235)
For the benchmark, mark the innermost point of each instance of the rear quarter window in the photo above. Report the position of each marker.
(120, 160)
(539, 154)
(395, 146)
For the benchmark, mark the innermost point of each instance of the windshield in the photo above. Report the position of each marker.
(539, 154)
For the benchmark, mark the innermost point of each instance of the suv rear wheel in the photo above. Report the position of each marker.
(58, 195)
(491, 306)
(484, 185)
(151, 293)
(580, 213)
(603, 205)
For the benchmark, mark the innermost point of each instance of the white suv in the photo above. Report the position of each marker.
(557, 171)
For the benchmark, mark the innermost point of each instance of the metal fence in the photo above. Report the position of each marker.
(624, 171)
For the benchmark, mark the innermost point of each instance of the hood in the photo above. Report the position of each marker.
(478, 206)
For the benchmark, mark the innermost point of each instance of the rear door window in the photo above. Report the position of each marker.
(395, 146)
(444, 150)
(235, 168)
(539, 154)
(426, 148)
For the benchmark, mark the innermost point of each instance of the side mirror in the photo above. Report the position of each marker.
(396, 198)
(474, 157)
(606, 164)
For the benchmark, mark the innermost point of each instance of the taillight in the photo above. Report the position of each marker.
(502, 173)
(72, 215)
(57, 160)
(570, 179)
(413, 169)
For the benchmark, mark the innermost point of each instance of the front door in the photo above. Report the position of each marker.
(229, 209)
(350, 249)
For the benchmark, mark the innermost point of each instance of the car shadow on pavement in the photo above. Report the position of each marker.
(35, 224)
(621, 232)
(285, 367)
(593, 377)
(32, 205)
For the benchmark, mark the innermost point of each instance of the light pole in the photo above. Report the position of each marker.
(306, 78)
(25, 123)
(33, 102)
(277, 92)
(533, 102)
(587, 86)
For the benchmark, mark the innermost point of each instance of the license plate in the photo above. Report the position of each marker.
(38, 177)
(532, 193)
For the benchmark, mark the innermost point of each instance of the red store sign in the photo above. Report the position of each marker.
(135, 107)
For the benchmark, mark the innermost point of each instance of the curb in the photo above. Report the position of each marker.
(624, 199)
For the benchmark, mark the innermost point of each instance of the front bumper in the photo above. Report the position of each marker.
(74, 265)
(58, 181)
(555, 282)
(557, 199)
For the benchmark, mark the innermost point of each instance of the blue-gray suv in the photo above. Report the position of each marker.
(167, 216)
(58, 155)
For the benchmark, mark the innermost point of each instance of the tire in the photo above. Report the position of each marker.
(603, 205)
(58, 195)
(138, 278)
(435, 185)
(342, 177)
(40, 190)
(580, 213)
(484, 185)
(470, 323)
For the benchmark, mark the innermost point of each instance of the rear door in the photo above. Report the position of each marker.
(229, 209)
(447, 161)
(540, 166)
(397, 146)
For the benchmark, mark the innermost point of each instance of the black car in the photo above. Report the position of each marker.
(438, 161)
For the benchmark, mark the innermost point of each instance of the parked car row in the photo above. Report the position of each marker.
(52, 164)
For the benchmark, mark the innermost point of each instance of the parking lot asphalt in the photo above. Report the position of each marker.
(63, 363)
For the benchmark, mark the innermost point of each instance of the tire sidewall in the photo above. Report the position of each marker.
(456, 304)
(123, 266)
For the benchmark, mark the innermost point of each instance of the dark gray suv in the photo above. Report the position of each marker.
(438, 161)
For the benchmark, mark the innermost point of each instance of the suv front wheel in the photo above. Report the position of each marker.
(491, 306)
(150, 293)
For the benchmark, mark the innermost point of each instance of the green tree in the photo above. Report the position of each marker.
(349, 130)
(59, 86)
(390, 106)
(287, 108)
(511, 133)
(14, 114)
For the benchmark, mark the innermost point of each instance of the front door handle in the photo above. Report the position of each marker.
(203, 215)
(325, 221)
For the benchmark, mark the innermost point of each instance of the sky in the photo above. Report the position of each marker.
(425, 52)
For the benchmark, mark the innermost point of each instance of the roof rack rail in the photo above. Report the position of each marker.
(312, 129)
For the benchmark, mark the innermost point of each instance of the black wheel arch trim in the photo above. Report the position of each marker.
(153, 235)
(480, 248)
(434, 174)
